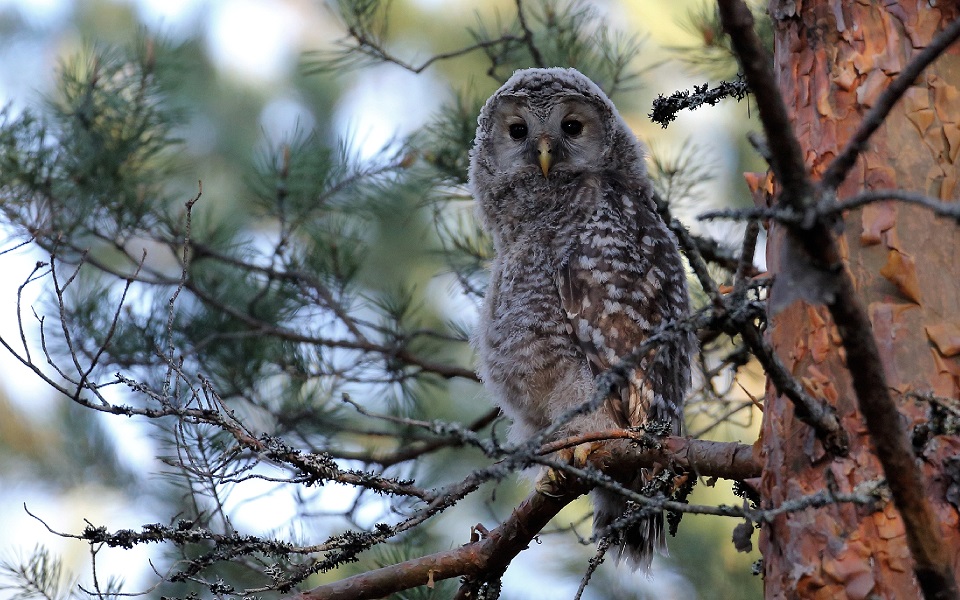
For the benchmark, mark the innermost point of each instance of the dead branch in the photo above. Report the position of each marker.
(815, 413)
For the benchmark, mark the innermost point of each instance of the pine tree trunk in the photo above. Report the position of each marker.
(833, 59)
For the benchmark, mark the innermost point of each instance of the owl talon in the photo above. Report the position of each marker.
(583, 452)
(554, 482)
(551, 483)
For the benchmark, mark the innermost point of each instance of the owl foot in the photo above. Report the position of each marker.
(556, 482)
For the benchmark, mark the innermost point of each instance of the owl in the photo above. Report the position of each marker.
(584, 271)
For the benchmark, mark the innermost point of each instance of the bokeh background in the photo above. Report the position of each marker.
(246, 86)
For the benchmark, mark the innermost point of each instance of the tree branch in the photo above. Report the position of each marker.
(815, 413)
(494, 551)
(948, 210)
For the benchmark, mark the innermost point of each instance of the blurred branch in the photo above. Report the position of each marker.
(265, 328)
(572, 33)
(528, 37)
(365, 24)
(595, 561)
(745, 267)
(373, 49)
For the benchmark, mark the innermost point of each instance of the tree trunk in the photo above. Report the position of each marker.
(833, 59)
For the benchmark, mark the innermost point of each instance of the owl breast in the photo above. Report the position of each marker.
(528, 358)
(529, 354)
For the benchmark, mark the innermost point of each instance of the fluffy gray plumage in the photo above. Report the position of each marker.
(585, 269)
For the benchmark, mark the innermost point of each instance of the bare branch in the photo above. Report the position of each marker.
(496, 549)
(815, 413)
(493, 551)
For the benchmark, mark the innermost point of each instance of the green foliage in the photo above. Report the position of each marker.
(41, 575)
(38, 576)
(91, 167)
(712, 55)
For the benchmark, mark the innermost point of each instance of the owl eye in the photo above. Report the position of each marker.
(518, 131)
(571, 127)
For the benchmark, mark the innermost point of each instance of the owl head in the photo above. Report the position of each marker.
(539, 133)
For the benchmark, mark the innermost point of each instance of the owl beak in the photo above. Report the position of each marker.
(545, 155)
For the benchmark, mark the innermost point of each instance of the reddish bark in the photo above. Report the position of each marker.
(834, 58)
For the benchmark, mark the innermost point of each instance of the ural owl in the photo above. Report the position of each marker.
(585, 269)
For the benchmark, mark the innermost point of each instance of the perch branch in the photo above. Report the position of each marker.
(493, 552)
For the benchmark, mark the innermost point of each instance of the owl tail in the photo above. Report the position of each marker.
(636, 543)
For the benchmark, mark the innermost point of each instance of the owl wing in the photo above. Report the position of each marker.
(601, 291)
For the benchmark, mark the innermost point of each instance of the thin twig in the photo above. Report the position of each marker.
(602, 546)
(942, 209)
(375, 50)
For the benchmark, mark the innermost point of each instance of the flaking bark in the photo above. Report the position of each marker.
(834, 59)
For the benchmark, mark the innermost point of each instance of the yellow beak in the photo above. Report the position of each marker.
(545, 155)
